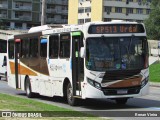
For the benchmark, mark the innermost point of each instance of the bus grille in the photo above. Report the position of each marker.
(114, 91)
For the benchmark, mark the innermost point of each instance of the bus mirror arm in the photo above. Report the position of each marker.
(82, 52)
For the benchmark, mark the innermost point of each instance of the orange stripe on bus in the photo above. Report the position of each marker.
(21, 70)
(127, 83)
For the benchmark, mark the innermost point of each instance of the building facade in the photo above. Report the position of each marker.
(23, 14)
(82, 11)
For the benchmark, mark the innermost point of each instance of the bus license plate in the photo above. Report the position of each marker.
(122, 91)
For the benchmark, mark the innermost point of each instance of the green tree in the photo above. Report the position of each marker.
(153, 22)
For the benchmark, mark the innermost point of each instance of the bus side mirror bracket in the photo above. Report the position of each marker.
(82, 52)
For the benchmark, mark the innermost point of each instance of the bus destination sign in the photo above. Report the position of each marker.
(116, 29)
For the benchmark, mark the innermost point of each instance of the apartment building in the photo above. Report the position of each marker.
(82, 11)
(23, 14)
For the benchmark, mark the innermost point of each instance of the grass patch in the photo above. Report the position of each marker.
(154, 72)
(12, 103)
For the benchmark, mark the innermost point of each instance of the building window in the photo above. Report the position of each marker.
(107, 9)
(18, 25)
(148, 11)
(81, 21)
(118, 10)
(87, 9)
(139, 11)
(50, 6)
(87, 20)
(18, 14)
(107, 19)
(18, 4)
(139, 0)
(130, 10)
(81, 10)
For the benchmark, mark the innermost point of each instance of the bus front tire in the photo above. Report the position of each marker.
(28, 89)
(71, 100)
(121, 101)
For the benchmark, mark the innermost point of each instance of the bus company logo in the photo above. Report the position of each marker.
(6, 114)
(55, 67)
(59, 30)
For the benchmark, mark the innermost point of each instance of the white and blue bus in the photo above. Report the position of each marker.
(95, 60)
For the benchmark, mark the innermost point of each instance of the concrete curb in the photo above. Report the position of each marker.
(154, 84)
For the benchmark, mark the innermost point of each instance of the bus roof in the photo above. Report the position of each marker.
(43, 27)
(54, 28)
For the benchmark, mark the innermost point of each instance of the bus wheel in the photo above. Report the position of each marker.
(28, 88)
(71, 100)
(0, 77)
(121, 101)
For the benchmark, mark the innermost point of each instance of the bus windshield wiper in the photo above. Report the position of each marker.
(130, 43)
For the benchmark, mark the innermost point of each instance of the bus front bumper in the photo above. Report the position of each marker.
(89, 91)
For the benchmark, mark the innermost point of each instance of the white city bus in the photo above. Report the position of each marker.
(95, 60)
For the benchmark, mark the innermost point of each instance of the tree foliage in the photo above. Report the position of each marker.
(153, 22)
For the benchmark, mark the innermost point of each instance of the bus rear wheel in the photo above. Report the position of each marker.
(28, 88)
(71, 100)
(121, 101)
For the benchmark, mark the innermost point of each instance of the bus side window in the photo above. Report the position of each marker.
(25, 48)
(33, 48)
(43, 47)
(53, 46)
(5, 61)
(3, 46)
(11, 49)
(65, 46)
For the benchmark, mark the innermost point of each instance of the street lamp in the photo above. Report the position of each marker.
(43, 16)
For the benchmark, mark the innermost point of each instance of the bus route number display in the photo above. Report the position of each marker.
(65, 37)
(116, 29)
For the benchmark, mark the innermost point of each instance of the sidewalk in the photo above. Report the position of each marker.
(154, 84)
(153, 59)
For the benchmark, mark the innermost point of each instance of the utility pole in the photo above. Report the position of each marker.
(43, 16)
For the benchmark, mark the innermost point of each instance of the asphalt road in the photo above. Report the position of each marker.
(150, 102)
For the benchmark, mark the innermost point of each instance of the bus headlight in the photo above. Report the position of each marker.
(144, 82)
(94, 83)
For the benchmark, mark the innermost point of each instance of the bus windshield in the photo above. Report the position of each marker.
(116, 53)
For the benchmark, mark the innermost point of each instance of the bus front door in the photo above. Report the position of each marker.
(17, 64)
(77, 63)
